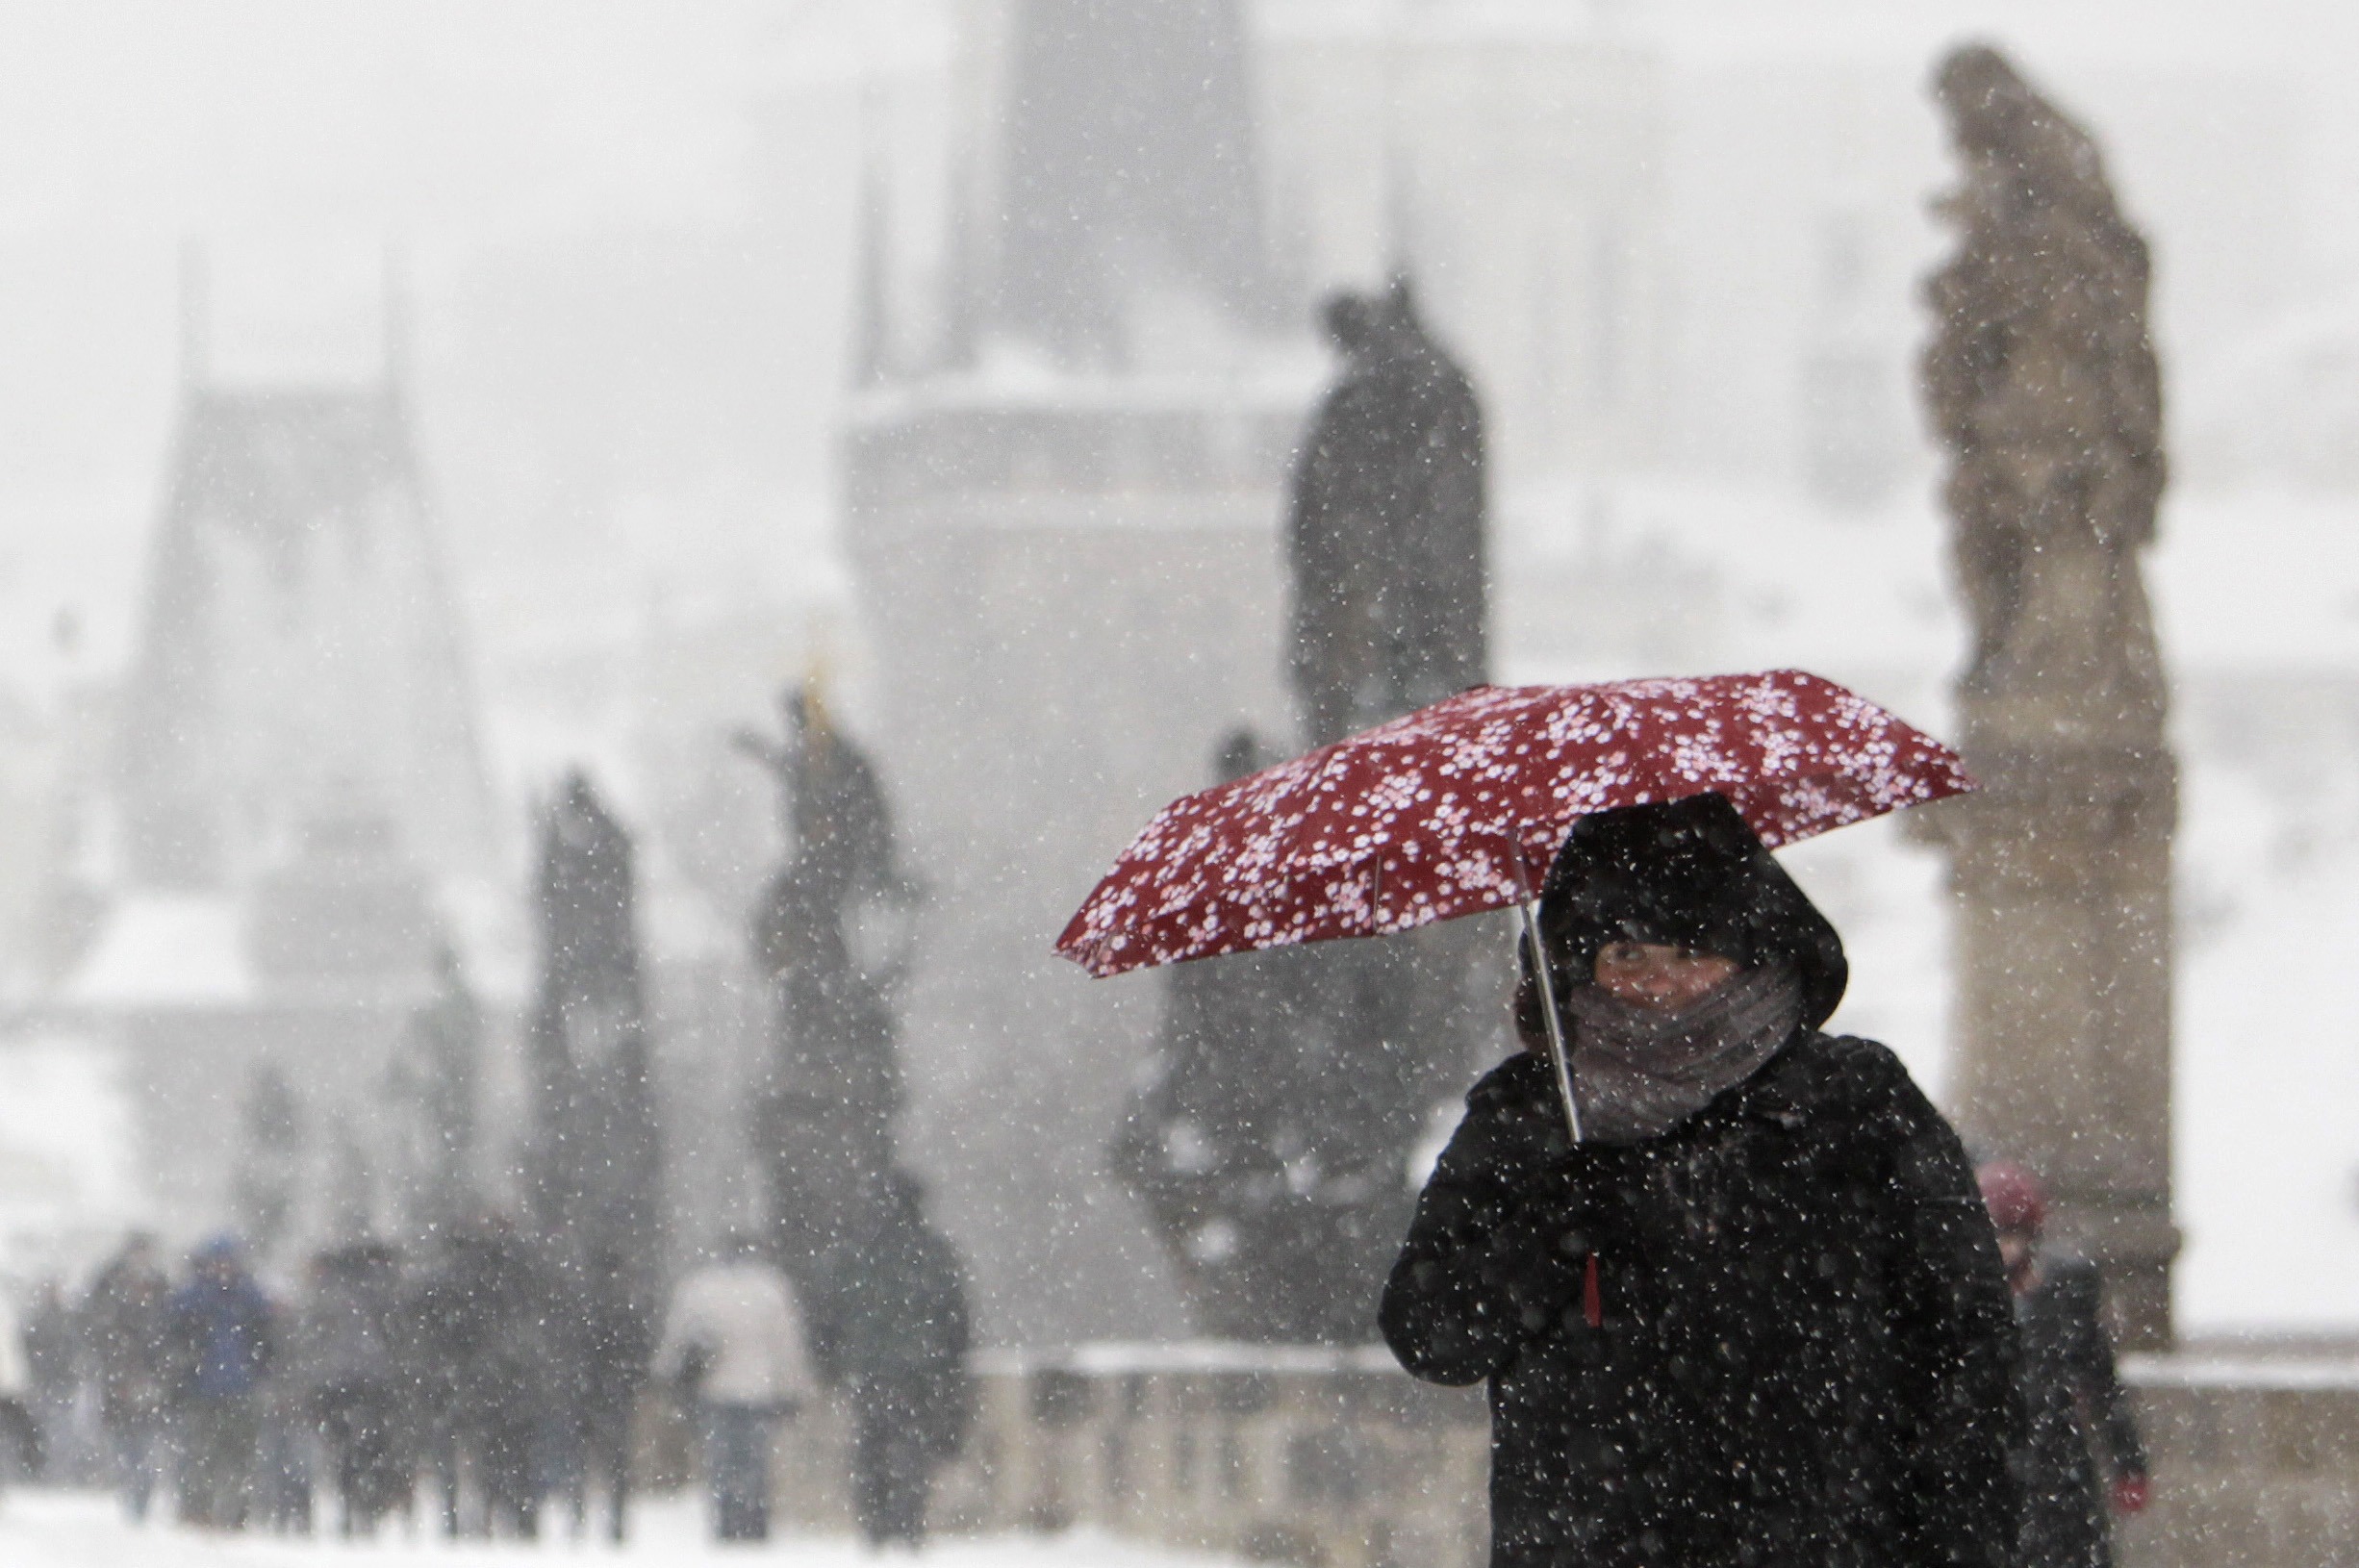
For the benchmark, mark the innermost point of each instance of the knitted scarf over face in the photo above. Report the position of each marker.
(1639, 1073)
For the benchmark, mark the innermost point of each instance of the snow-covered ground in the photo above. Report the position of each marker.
(84, 1530)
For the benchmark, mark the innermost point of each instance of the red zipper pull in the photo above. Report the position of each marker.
(1592, 1303)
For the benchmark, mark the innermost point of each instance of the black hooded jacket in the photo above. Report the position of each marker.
(1803, 1350)
(2071, 1395)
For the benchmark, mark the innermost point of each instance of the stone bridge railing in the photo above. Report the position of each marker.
(1333, 1458)
(2256, 1463)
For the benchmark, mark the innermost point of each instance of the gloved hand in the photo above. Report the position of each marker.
(1540, 1256)
(2132, 1494)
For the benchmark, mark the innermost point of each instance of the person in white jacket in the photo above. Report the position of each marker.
(733, 1341)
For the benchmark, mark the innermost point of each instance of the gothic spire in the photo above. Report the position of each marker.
(1124, 165)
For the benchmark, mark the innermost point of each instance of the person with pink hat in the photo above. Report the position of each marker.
(2072, 1395)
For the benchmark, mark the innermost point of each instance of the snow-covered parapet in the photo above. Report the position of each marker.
(1275, 1452)
(1125, 1359)
(1329, 1454)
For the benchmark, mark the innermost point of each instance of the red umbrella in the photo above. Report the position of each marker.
(1459, 808)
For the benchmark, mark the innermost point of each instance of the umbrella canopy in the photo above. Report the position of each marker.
(1460, 807)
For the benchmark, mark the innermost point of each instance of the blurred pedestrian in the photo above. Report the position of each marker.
(123, 1326)
(895, 1335)
(2072, 1392)
(53, 1368)
(21, 1439)
(604, 1338)
(482, 1317)
(348, 1381)
(430, 1382)
(285, 1451)
(733, 1344)
(219, 1342)
(1757, 1315)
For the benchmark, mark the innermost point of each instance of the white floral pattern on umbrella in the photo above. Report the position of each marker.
(1460, 807)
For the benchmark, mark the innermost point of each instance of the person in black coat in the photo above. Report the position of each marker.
(2072, 1395)
(123, 1326)
(895, 1332)
(1757, 1316)
(481, 1319)
(347, 1378)
(605, 1338)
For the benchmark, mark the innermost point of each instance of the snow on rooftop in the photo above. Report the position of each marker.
(166, 951)
(68, 1166)
(1260, 378)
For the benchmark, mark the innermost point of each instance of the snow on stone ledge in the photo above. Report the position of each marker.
(2263, 1374)
(1122, 1358)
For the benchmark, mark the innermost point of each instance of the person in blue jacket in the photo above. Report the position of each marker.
(219, 1340)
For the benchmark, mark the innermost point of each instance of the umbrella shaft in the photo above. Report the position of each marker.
(1560, 1059)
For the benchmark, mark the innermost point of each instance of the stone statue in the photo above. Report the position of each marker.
(1386, 530)
(1211, 1136)
(598, 1156)
(2042, 383)
(832, 935)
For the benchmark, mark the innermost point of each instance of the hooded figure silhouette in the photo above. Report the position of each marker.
(1756, 1317)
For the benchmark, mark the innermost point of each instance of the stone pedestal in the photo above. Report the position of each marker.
(2060, 878)
(2042, 382)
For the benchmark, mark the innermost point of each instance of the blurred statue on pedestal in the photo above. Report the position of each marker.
(833, 935)
(2042, 383)
(597, 1154)
(884, 1288)
(1213, 1135)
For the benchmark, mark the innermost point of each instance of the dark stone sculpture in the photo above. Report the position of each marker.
(2042, 382)
(598, 1156)
(1210, 1138)
(832, 934)
(1387, 528)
